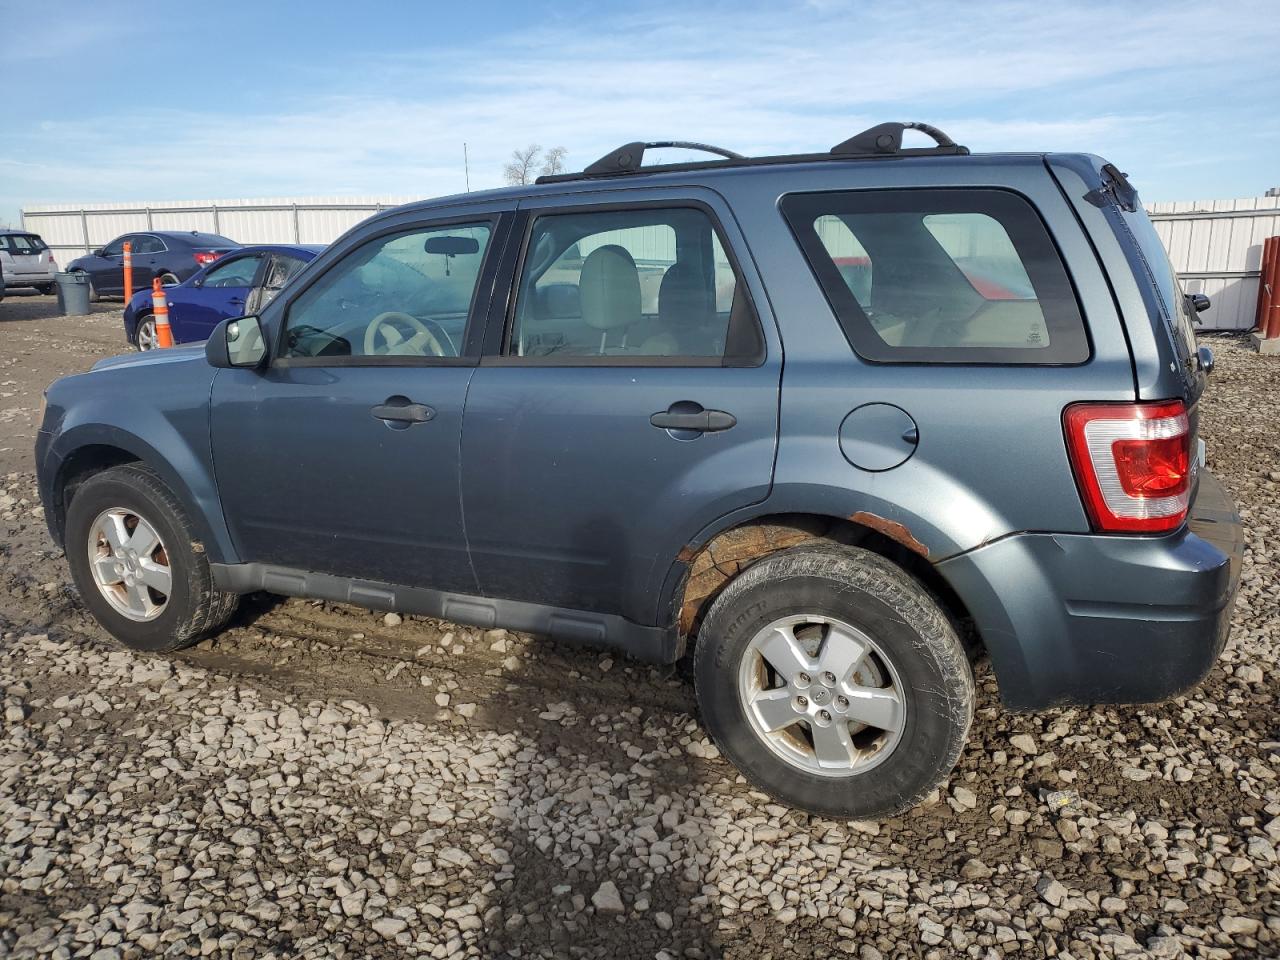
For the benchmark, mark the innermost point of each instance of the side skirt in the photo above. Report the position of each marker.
(660, 645)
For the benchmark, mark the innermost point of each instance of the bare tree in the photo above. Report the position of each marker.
(520, 170)
(553, 162)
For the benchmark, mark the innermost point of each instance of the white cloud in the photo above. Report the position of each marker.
(759, 81)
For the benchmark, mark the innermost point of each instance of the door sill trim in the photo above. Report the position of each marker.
(659, 645)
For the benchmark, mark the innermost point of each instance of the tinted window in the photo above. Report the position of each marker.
(116, 247)
(1177, 311)
(941, 275)
(639, 283)
(22, 244)
(145, 244)
(407, 294)
(235, 273)
(282, 269)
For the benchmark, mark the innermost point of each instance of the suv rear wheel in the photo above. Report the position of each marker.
(833, 680)
(130, 549)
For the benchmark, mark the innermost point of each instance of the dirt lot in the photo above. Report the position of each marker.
(323, 782)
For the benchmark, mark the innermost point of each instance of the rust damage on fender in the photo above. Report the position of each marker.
(713, 566)
(891, 529)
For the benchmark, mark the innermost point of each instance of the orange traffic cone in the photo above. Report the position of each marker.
(160, 309)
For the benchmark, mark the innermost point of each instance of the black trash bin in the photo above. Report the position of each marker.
(73, 294)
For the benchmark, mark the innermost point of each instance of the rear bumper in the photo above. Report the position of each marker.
(1083, 619)
(12, 279)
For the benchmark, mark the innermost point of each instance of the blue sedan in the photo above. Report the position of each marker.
(240, 283)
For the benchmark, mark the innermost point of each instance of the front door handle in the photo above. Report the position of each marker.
(703, 421)
(403, 412)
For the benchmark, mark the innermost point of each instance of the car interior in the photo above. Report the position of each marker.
(407, 294)
(625, 283)
(943, 281)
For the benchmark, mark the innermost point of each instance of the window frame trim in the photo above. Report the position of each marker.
(856, 327)
(476, 313)
(532, 214)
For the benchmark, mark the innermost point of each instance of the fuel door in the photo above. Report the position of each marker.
(878, 436)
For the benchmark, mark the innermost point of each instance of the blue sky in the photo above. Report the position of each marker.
(107, 101)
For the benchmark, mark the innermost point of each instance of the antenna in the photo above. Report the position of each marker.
(466, 165)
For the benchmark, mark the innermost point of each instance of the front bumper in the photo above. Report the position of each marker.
(1083, 619)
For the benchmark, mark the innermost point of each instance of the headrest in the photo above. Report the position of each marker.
(610, 288)
(683, 297)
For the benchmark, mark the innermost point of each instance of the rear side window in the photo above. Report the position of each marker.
(642, 285)
(940, 276)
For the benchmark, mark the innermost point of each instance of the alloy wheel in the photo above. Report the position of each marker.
(147, 339)
(129, 563)
(822, 695)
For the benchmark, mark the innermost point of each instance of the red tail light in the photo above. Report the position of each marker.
(1133, 463)
(206, 257)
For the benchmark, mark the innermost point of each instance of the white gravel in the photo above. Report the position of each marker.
(327, 782)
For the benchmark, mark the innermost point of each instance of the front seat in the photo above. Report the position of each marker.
(610, 292)
(684, 308)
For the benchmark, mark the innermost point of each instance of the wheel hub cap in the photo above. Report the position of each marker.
(822, 695)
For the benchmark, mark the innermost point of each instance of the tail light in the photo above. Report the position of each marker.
(206, 257)
(1133, 463)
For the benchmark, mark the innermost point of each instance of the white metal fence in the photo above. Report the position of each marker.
(1216, 248)
(1215, 245)
(73, 230)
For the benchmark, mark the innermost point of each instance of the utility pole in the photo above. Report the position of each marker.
(466, 165)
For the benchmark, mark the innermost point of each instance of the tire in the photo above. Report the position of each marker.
(46, 289)
(830, 602)
(191, 610)
(144, 335)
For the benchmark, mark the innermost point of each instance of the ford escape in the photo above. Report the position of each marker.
(835, 425)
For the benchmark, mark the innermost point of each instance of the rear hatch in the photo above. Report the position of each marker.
(1157, 315)
(27, 257)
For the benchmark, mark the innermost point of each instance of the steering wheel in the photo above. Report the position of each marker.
(423, 343)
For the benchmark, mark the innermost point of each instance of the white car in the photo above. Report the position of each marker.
(27, 261)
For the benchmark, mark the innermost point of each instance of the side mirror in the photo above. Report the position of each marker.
(1200, 302)
(237, 343)
(100, 252)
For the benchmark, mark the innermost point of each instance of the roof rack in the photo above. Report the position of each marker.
(882, 140)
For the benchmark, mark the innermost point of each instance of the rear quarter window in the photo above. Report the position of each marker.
(940, 276)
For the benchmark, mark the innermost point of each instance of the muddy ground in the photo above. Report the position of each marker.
(317, 782)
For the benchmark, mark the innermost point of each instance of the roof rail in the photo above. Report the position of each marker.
(883, 140)
(628, 157)
(886, 139)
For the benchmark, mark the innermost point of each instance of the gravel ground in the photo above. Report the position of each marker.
(321, 781)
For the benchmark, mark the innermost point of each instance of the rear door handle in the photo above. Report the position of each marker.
(703, 421)
(403, 412)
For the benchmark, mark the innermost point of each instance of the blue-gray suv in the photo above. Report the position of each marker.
(836, 424)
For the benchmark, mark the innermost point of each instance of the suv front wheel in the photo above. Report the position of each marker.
(834, 681)
(134, 558)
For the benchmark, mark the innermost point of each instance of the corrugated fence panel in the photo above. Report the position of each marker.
(1214, 245)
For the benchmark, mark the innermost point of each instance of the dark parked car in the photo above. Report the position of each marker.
(170, 255)
(984, 440)
(237, 283)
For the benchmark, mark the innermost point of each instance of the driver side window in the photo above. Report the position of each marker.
(236, 273)
(406, 294)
